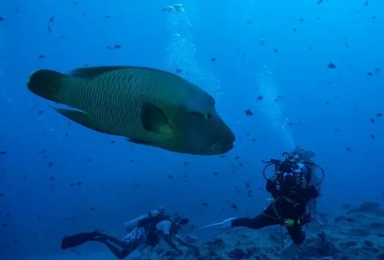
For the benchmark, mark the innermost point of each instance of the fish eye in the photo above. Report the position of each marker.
(208, 116)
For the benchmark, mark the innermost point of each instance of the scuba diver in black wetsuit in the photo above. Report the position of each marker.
(291, 189)
(143, 231)
(309, 156)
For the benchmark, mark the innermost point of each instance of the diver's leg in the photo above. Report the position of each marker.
(297, 238)
(296, 234)
(265, 219)
(114, 240)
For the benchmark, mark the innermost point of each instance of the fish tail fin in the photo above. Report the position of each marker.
(47, 84)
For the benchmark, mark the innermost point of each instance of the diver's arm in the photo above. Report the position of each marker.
(182, 242)
(168, 240)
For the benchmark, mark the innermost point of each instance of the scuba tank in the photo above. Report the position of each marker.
(134, 222)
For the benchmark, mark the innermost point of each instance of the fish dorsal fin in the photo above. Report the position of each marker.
(154, 119)
(92, 72)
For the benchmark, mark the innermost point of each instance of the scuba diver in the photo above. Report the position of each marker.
(145, 230)
(291, 189)
(309, 156)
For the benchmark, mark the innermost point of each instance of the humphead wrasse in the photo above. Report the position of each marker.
(147, 106)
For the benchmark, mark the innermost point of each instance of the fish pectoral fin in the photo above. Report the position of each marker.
(81, 118)
(92, 72)
(154, 119)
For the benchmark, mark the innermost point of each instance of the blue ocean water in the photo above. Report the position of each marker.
(59, 178)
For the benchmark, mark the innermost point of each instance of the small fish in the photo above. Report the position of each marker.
(331, 65)
(147, 106)
(248, 112)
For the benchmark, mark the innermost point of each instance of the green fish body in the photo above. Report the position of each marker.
(147, 106)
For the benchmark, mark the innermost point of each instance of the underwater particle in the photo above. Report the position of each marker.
(248, 112)
(253, 139)
(178, 71)
(92, 208)
(234, 206)
(112, 141)
(348, 149)
(294, 29)
(40, 112)
(7, 214)
(1, 19)
(379, 114)
(319, 2)
(204, 204)
(51, 20)
(52, 178)
(185, 163)
(377, 70)
(327, 103)
(170, 176)
(49, 29)
(372, 120)
(2, 152)
(215, 173)
(249, 22)
(107, 16)
(262, 41)
(4, 225)
(2, 194)
(369, 73)
(136, 185)
(275, 50)
(346, 44)
(331, 65)
(372, 136)
(41, 56)
(247, 134)
(213, 59)
(366, 3)
(310, 48)
(75, 2)
(117, 46)
(78, 183)
(50, 164)
(237, 157)
(301, 20)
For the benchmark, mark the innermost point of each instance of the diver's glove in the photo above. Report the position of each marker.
(226, 224)
(289, 251)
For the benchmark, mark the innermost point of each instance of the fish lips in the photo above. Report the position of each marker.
(224, 145)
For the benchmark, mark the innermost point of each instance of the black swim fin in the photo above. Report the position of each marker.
(78, 239)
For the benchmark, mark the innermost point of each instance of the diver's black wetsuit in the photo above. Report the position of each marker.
(288, 207)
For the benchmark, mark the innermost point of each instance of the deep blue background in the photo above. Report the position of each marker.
(35, 199)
